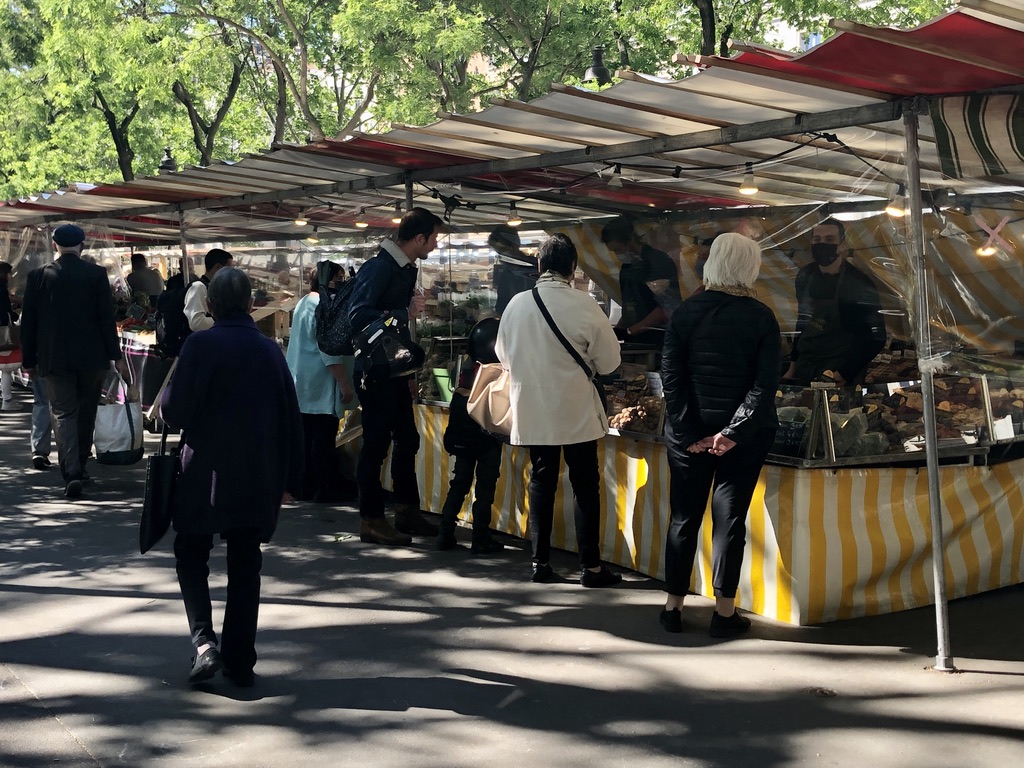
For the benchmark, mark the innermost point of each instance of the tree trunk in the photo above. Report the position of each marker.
(723, 49)
(708, 38)
(203, 133)
(280, 106)
(119, 133)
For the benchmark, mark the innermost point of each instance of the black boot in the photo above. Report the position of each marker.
(411, 520)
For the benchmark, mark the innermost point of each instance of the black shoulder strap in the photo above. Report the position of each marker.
(565, 342)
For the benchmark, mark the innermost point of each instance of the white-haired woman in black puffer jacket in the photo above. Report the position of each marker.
(720, 369)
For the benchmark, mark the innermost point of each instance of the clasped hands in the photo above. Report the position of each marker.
(717, 445)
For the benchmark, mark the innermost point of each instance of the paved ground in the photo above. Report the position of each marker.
(409, 657)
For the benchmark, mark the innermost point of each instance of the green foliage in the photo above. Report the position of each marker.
(88, 84)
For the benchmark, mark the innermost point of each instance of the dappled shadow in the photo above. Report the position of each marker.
(409, 656)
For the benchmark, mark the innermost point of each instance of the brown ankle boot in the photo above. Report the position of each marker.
(378, 530)
(410, 520)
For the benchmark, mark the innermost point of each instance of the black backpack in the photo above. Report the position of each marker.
(171, 324)
(334, 331)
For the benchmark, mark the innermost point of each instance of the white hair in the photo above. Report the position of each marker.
(735, 260)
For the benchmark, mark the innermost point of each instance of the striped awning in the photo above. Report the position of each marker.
(980, 136)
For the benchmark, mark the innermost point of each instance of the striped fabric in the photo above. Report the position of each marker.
(980, 136)
(821, 544)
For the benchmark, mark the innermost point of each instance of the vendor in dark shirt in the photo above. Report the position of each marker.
(648, 282)
(838, 314)
(514, 271)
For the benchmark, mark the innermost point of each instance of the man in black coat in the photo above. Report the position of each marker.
(233, 398)
(839, 314)
(384, 286)
(648, 283)
(69, 337)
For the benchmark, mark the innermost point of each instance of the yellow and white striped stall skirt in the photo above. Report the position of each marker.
(821, 544)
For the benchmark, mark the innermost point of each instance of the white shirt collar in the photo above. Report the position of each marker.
(396, 253)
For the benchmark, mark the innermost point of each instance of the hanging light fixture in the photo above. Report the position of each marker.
(615, 182)
(396, 217)
(514, 220)
(361, 222)
(897, 207)
(300, 220)
(597, 71)
(313, 238)
(748, 186)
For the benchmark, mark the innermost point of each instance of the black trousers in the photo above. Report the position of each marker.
(734, 478)
(242, 607)
(388, 422)
(546, 469)
(74, 397)
(485, 464)
(320, 434)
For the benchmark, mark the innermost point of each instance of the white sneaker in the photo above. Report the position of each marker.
(10, 405)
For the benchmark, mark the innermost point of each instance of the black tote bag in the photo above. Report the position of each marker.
(161, 472)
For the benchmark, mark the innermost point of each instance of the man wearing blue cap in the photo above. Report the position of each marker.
(69, 338)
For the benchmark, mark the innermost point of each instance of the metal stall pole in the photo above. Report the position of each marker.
(419, 278)
(184, 247)
(922, 338)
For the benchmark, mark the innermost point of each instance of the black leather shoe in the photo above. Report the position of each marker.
(728, 626)
(603, 578)
(73, 489)
(412, 521)
(206, 666)
(543, 574)
(241, 678)
(41, 462)
(485, 547)
(445, 542)
(672, 620)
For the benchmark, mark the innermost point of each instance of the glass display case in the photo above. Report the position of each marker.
(635, 401)
(1005, 395)
(879, 424)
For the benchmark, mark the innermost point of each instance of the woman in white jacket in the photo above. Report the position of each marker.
(555, 407)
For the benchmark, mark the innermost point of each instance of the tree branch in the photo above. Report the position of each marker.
(357, 116)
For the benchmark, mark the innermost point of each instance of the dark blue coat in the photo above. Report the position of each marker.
(382, 287)
(233, 397)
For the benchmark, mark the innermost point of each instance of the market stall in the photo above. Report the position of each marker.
(822, 544)
(844, 128)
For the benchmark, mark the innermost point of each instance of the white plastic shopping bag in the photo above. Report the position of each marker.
(118, 435)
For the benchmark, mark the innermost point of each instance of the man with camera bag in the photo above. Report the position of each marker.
(384, 288)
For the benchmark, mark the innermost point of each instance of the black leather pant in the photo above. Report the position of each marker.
(387, 418)
(485, 464)
(734, 477)
(320, 434)
(241, 610)
(546, 469)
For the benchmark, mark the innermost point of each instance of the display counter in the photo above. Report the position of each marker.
(822, 543)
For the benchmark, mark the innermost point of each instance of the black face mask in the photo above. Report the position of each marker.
(824, 253)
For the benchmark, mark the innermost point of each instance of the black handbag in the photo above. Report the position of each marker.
(572, 351)
(161, 472)
(383, 351)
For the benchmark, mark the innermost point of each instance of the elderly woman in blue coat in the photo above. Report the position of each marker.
(233, 398)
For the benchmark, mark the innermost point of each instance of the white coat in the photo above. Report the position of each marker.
(553, 402)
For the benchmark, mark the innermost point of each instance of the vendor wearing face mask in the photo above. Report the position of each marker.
(648, 282)
(838, 317)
